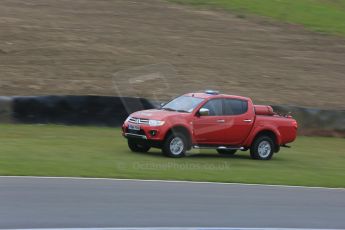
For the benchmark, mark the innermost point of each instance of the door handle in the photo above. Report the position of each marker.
(220, 121)
(247, 120)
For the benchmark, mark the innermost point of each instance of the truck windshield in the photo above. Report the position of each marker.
(183, 104)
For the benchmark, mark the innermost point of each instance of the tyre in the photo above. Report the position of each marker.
(227, 152)
(135, 146)
(175, 145)
(262, 148)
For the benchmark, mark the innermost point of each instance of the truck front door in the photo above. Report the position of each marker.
(210, 129)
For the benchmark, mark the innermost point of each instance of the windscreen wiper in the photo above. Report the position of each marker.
(182, 111)
(169, 109)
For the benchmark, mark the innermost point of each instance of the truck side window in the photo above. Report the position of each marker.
(215, 107)
(235, 106)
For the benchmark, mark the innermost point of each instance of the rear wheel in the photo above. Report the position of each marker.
(175, 145)
(135, 146)
(262, 148)
(228, 152)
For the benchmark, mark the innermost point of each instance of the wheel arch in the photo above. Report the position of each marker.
(181, 129)
(270, 133)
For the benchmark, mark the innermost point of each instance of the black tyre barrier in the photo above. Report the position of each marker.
(112, 111)
(76, 110)
(316, 121)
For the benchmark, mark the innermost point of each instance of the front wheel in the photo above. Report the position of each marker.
(137, 147)
(262, 148)
(175, 145)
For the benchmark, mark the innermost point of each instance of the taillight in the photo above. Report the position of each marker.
(295, 124)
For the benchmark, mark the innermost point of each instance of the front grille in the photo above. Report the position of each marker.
(136, 120)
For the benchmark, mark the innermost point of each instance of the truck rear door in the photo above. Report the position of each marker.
(239, 119)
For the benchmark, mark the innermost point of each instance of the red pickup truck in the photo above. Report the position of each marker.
(210, 120)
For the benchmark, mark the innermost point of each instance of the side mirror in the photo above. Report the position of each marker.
(204, 112)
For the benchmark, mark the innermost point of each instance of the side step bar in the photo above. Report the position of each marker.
(218, 147)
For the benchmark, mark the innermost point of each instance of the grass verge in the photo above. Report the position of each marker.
(50, 150)
(326, 16)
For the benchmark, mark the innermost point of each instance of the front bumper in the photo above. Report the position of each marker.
(146, 132)
(133, 135)
(144, 136)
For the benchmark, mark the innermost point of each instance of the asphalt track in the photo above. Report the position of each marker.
(89, 203)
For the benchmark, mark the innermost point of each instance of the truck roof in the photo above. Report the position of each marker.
(207, 95)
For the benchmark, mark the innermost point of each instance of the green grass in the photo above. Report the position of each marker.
(49, 150)
(326, 16)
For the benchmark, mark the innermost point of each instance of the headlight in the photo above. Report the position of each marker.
(156, 123)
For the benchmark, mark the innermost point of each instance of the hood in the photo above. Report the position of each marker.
(156, 114)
